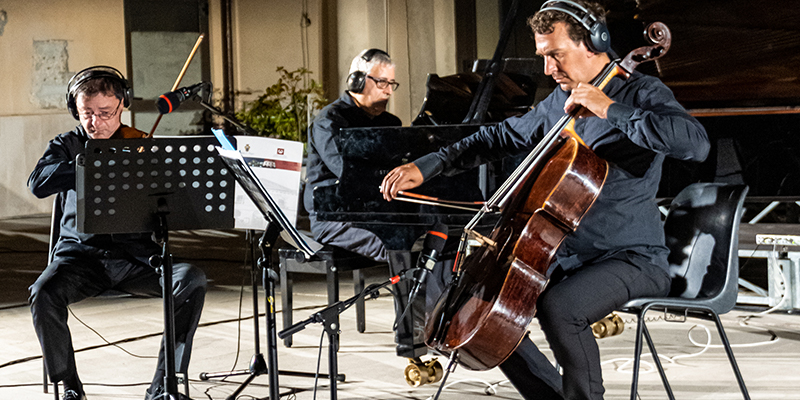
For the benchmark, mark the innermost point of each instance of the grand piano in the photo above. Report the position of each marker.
(733, 65)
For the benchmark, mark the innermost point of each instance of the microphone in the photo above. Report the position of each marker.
(169, 102)
(431, 249)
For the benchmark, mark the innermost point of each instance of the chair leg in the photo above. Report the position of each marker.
(657, 361)
(358, 287)
(286, 303)
(45, 379)
(637, 353)
(729, 350)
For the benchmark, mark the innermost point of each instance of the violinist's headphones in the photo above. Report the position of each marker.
(100, 71)
(599, 39)
(358, 79)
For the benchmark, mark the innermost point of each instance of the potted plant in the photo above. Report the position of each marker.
(284, 110)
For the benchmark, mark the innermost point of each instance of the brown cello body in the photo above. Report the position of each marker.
(484, 313)
(496, 299)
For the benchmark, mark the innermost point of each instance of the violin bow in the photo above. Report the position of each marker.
(180, 77)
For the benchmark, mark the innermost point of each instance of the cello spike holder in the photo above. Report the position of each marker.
(489, 390)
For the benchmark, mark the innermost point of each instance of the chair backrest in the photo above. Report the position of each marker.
(55, 224)
(702, 234)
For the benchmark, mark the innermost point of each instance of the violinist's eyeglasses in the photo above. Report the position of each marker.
(105, 115)
(382, 83)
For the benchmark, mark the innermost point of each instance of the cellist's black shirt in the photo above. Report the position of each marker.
(644, 125)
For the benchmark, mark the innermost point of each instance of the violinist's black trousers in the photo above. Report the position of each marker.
(79, 272)
(566, 309)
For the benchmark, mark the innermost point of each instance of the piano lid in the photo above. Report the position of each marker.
(724, 54)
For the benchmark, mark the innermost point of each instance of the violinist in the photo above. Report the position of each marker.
(86, 265)
(618, 251)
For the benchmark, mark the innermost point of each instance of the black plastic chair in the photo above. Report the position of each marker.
(702, 233)
(55, 231)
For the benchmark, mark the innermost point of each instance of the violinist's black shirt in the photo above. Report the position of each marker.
(644, 125)
(55, 173)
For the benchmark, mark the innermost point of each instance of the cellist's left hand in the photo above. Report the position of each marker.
(593, 100)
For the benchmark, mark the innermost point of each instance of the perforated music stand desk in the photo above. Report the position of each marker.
(154, 185)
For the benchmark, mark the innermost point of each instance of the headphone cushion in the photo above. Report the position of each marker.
(356, 81)
(600, 39)
(92, 73)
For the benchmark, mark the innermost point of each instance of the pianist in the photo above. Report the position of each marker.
(370, 84)
(618, 252)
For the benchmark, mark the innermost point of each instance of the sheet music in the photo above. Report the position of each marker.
(262, 200)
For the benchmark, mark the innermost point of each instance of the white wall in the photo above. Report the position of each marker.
(44, 42)
(42, 45)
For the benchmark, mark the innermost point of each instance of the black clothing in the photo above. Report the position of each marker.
(618, 251)
(644, 125)
(86, 265)
(324, 167)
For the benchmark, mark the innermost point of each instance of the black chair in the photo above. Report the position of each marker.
(330, 260)
(702, 234)
(55, 231)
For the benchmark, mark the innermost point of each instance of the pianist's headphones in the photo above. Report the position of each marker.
(97, 72)
(599, 39)
(358, 79)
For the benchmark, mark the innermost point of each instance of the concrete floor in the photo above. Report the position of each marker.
(767, 347)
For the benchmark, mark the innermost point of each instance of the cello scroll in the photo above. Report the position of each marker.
(656, 33)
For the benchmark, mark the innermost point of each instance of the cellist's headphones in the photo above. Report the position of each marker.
(599, 39)
(97, 72)
(358, 78)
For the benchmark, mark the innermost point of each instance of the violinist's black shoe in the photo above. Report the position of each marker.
(70, 394)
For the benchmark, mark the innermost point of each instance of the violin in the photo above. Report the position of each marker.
(483, 314)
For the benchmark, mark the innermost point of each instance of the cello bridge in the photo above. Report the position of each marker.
(481, 240)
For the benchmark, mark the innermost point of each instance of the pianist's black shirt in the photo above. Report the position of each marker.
(324, 165)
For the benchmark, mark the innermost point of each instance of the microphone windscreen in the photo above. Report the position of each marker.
(168, 102)
(436, 238)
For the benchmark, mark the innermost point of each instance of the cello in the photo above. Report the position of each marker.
(483, 314)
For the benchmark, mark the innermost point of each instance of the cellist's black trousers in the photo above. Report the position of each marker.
(566, 309)
(79, 272)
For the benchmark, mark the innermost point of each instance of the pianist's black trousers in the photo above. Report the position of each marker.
(79, 272)
(348, 237)
(566, 309)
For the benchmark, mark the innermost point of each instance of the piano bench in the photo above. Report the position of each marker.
(329, 260)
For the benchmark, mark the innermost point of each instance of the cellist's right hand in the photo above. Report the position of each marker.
(404, 177)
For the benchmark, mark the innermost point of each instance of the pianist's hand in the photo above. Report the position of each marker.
(403, 177)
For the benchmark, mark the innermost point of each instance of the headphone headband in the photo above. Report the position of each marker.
(96, 72)
(599, 38)
(357, 78)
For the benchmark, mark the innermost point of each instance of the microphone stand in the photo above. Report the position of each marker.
(329, 317)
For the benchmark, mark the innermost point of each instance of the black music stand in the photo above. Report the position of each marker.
(154, 185)
(277, 226)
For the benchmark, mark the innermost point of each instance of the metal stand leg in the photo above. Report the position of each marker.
(258, 364)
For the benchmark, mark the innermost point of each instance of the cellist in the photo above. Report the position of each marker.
(618, 252)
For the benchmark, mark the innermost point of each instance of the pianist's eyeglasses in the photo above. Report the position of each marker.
(382, 83)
